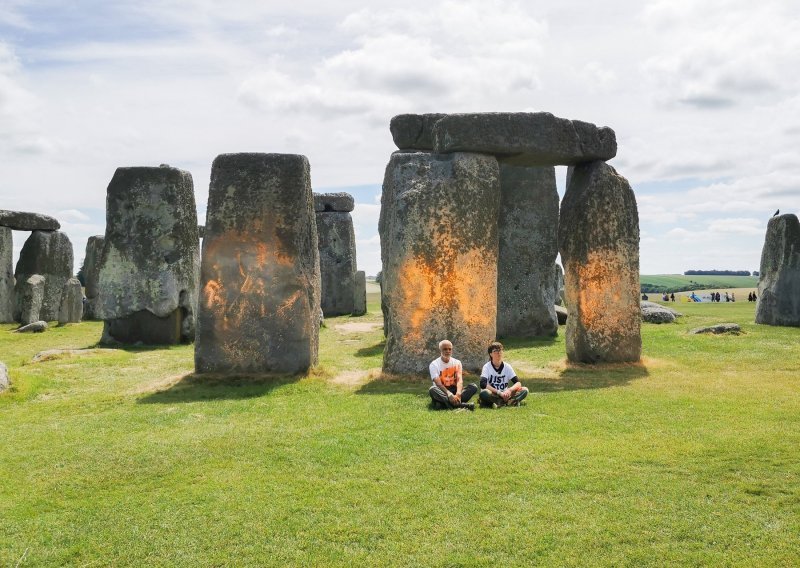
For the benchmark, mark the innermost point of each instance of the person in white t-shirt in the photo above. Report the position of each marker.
(499, 383)
(448, 389)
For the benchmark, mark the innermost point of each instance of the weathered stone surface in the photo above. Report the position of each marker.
(559, 284)
(6, 276)
(561, 314)
(528, 233)
(337, 262)
(438, 229)
(524, 138)
(334, 202)
(414, 131)
(34, 327)
(71, 302)
(29, 296)
(5, 382)
(647, 304)
(730, 328)
(779, 274)
(360, 294)
(656, 313)
(260, 297)
(151, 255)
(48, 253)
(599, 245)
(91, 274)
(24, 221)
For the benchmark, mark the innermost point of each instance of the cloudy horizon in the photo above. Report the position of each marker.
(702, 98)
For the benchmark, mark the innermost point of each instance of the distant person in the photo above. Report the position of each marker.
(727, 297)
(733, 296)
(499, 383)
(749, 296)
(448, 382)
(672, 297)
(644, 297)
(718, 297)
(665, 297)
(755, 298)
(713, 297)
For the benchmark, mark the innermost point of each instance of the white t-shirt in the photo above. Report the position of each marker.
(447, 372)
(498, 379)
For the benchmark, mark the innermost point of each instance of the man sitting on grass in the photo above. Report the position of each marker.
(496, 377)
(448, 384)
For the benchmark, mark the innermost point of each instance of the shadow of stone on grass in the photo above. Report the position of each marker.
(580, 377)
(194, 388)
(372, 350)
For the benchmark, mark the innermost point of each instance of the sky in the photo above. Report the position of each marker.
(704, 98)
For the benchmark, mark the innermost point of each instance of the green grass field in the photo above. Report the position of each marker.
(680, 282)
(121, 457)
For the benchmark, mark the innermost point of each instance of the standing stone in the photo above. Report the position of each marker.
(48, 253)
(439, 243)
(360, 294)
(559, 274)
(30, 293)
(599, 245)
(779, 273)
(524, 138)
(91, 274)
(260, 296)
(337, 252)
(71, 302)
(6, 276)
(528, 233)
(149, 268)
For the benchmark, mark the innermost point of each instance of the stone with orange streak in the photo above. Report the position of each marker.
(599, 245)
(439, 242)
(260, 267)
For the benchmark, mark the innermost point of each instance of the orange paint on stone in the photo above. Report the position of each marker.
(603, 294)
(462, 291)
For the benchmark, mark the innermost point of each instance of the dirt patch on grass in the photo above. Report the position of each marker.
(356, 327)
(157, 385)
(355, 378)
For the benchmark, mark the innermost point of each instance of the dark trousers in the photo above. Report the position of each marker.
(438, 395)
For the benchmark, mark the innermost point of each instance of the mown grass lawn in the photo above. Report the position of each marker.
(122, 457)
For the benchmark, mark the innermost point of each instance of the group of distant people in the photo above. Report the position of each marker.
(500, 385)
(668, 297)
(715, 297)
(751, 297)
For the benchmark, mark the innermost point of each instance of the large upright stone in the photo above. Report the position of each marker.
(528, 233)
(779, 273)
(360, 294)
(149, 268)
(337, 252)
(91, 274)
(6, 276)
(24, 221)
(48, 253)
(71, 302)
(524, 138)
(599, 245)
(30, 293)
(260, 296)
(438, 229)
(414, 131)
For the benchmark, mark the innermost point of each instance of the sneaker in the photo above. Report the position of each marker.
(512, 402)
(494, 406)
(468, 405)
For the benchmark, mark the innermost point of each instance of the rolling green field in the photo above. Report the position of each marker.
(122, 457)
(680, 282)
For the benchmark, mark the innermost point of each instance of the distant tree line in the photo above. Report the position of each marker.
(717, 273)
